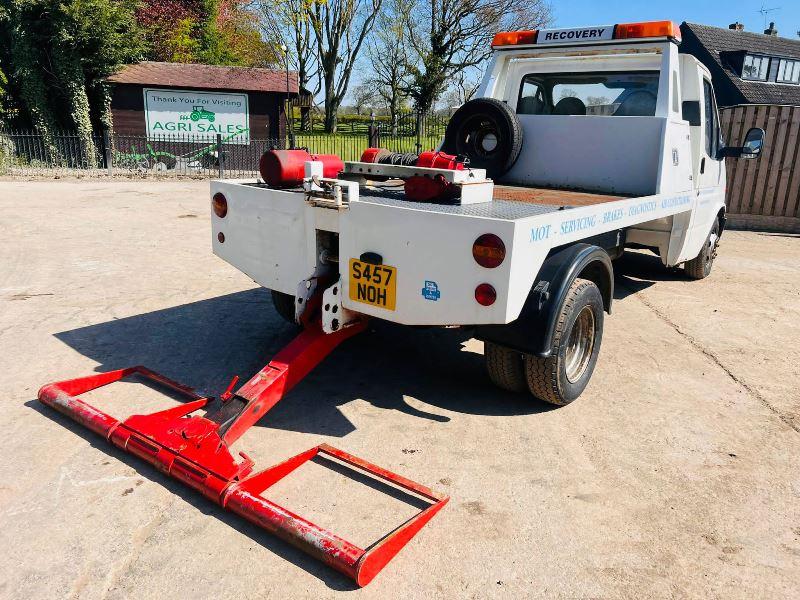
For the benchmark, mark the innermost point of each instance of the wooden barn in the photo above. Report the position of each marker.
(190, 100)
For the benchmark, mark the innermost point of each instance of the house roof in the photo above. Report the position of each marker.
(181, 75)
(717, 40)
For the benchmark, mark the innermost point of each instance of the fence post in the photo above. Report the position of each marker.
(107, 152)
(373, 136)
(220, 159)
(418, 127)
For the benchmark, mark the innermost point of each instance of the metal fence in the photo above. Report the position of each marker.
(61, 150)
(30, 153)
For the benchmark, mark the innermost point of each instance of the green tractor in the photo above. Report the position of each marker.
(198, 112)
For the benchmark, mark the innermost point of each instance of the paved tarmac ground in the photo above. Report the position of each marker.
(676, 474)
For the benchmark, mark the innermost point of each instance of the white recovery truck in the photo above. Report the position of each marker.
(581, 142)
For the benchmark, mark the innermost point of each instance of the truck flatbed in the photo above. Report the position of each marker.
(539, 195)
(510, 202)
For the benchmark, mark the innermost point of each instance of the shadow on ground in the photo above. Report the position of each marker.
(637, 271)
(203, 344)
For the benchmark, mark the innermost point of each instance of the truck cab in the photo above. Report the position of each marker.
(616, 109)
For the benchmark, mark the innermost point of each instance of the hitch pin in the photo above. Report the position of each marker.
(228, 393)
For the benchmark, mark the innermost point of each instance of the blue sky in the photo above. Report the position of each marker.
(575, 13)
(720, 13)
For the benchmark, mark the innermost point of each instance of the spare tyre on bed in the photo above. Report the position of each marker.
(487, 132)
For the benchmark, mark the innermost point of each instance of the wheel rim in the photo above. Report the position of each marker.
(580, 344)
(711, 248)
(479, 138)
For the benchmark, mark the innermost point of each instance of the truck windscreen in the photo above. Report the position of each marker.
(598, 94)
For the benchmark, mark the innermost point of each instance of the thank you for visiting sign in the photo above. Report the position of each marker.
(197, 115)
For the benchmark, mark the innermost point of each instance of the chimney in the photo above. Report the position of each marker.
(736, 26)
(771, 31)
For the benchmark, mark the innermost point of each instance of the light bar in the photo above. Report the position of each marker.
(653, 29)
(579, 35)
(515, 38)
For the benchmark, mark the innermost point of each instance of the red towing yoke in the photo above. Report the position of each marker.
(195, 450)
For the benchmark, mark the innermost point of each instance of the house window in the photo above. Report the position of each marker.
(755, 67)
(789, 71)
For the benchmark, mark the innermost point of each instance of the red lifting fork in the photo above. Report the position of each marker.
(195, 450)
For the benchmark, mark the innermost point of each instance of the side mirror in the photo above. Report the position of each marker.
(691, 112)
(753, 144)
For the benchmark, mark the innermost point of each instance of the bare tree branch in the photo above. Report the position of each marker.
(340, 29)
(451, 36)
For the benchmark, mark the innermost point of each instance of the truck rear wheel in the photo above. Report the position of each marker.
(700, 266)
(506, 367)
(284, 306)
(561, 377)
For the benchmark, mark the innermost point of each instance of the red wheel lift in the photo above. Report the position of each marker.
(195, 450)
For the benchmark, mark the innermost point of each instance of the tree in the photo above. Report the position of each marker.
(388, 57)
(363, 97)
(59, 54)
(170, 29)
(340, 28)
(288, 22)
(461, 90)
(217, 32)
(450, 36)
(3, 92)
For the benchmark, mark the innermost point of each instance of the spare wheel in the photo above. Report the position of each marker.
(487, 132)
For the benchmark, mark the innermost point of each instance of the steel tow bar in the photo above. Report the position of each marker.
(194, 449)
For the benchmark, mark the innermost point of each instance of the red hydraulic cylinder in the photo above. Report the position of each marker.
(286, 168)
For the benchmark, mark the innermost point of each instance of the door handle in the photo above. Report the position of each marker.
(703, 165)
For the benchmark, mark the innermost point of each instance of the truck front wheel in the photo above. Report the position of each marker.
(700, 266)
(561, 377)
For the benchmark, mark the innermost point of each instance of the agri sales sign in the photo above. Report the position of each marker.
(197, 115)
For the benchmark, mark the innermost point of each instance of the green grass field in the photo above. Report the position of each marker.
(350, 147)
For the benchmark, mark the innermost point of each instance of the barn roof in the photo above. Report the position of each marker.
(187, 75)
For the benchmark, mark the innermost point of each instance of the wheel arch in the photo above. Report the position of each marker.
(532, 332)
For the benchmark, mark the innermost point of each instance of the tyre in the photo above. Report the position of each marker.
(700, 266)
(487, 132)
(284, 306)
(506, 367)
(561, 377)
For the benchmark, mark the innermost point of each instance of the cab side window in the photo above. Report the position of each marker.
(531, 99)
(712, 130)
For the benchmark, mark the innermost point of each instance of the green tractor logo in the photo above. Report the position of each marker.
(198, 112)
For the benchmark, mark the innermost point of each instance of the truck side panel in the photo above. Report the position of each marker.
(612, 155)
(265, 235)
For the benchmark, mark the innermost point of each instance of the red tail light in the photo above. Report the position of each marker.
(220, 205)
(489, 251)
(485, 294)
